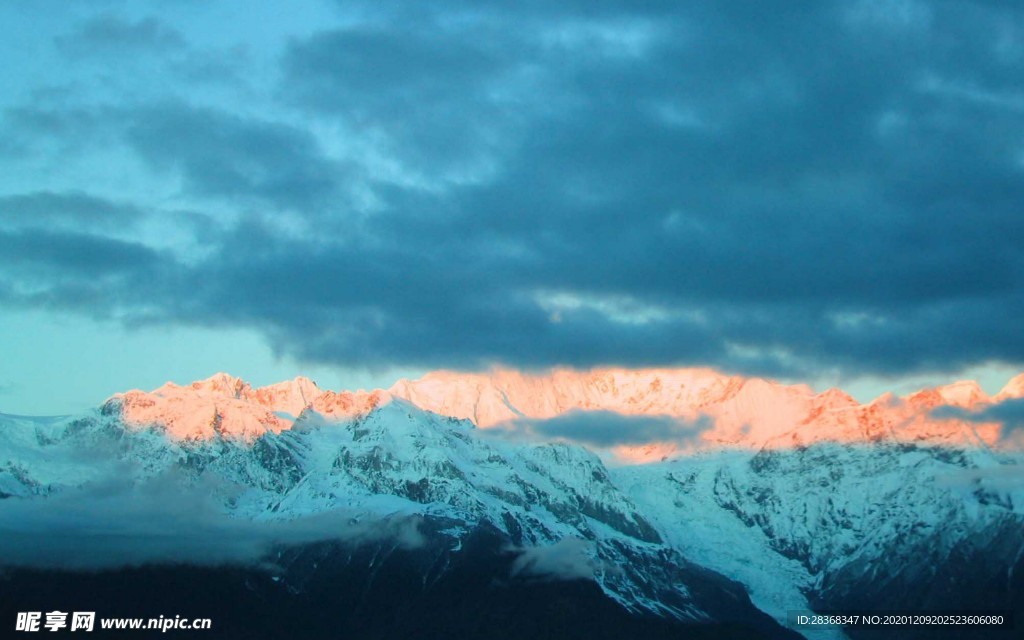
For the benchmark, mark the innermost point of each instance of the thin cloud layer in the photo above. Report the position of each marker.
(1008, 413)
(114, 35)
(831, 187)
(113, 523)
(567, 559)
(606, 429)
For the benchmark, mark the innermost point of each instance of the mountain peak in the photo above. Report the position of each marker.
(835, 398)
(290, 396)
(1013, 389)
(222, 383)
(963, 393)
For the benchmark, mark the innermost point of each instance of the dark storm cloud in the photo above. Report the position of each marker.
(81, 253)
(224, 155)
(834, 185)
(427, 93)
(92, 274)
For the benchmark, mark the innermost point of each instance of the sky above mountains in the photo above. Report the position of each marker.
(827, 191)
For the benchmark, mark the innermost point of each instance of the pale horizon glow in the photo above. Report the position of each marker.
(76, 365)
(111, 359)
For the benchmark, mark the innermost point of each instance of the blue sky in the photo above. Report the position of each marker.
(362, 190)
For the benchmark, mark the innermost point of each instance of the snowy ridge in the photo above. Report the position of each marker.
(731, 410)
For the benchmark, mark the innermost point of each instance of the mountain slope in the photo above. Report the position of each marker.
(398, 461)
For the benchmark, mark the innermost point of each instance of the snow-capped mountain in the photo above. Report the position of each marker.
(795, 499)
(751, 412)
(398, 461)
(729, 410)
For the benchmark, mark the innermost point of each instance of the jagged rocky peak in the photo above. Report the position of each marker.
(290, 396)
(963, 393)
(348, 404)
(219, 406)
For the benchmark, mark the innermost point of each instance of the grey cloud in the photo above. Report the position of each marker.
(440, 102)
(92, 274)
(72, 208)
(213, 153)
(80, 253)
(1009, 413)
(113, 524)
(44, 128)
(226, 67)
(603, 429)
(371, 70)
(781, 206)
(111, 34)
(224, 155)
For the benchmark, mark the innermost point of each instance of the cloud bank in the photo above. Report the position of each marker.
(605, 429)
(831, 187)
